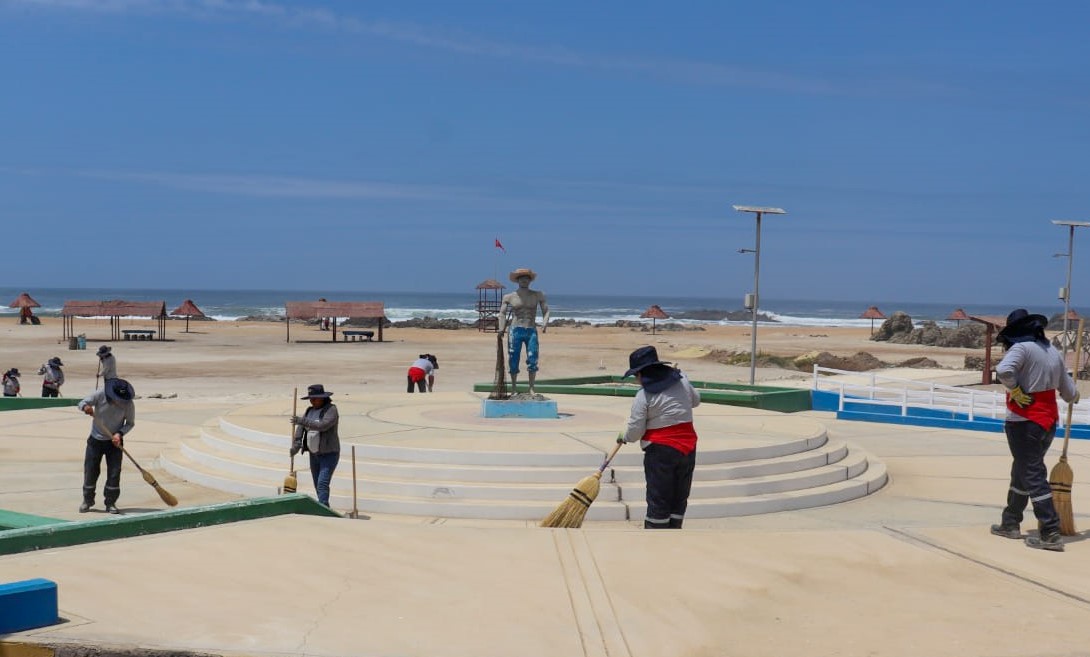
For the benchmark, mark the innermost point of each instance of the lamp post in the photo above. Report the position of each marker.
(1071, 226)
(758, 211)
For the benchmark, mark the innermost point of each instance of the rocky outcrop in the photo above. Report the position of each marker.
(898, 329)
(723, 315)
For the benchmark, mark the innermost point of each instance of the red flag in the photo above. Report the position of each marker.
(500, 246)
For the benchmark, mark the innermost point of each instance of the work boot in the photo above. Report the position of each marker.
(85, 507)
(112, 508)
(1007, 531)
(1050, 541)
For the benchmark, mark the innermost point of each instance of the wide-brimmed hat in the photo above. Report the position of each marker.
(316, 391)
(119, 390)
(103, 350)
(1022, 323)
(56, 360)
(14, 372)
(641, 358)
(520, 272)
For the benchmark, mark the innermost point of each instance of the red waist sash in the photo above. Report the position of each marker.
(681, 437)
(1041, 411)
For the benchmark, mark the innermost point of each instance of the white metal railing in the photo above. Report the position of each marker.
(879, 390)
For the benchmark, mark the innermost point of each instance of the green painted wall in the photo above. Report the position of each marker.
(22, 403)
(62, 534)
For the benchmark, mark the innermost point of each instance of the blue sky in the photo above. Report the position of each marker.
(920, 148)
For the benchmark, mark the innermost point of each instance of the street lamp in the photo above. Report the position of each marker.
(1071, 226)
(755, 301)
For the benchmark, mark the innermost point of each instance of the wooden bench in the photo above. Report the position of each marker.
(352, 336)
(138, 334)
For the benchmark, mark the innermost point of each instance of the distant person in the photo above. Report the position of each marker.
(52, 377)
(113, 415)
(11, 383)
(26, 316)
(1033, 371)
(420, 372)
(107, 364)
(316, 432)
(519, 310)
(662, 420)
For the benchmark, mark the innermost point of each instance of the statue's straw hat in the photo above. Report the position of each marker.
(520, 272)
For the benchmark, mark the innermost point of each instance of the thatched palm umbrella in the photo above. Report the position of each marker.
(189, 309)
(24, 302)
(958, 316)
(872, 314)
(655, 313)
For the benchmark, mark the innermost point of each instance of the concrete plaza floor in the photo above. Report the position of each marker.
(909, 570)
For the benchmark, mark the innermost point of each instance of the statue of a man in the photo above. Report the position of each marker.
(519, 308)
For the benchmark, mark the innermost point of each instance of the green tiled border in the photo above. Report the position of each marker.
(23, 403)
(59, 533)
(771, 398)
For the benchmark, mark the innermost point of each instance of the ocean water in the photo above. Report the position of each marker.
(599, 309)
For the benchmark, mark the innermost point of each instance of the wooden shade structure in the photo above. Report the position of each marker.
(872, 314)
(654, 313)
(189, 309)
(321, 309)
(993, 324)
(115, 309)
(25, 302)
(958, 316)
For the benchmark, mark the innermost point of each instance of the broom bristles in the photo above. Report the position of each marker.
(573, 509)
(290, 483)
(1060, 480)
(164, 494)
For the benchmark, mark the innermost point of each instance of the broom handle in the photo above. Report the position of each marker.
(1071, 407)
(294, 408)
(605, 464)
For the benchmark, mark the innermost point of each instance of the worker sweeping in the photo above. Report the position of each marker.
(662, 420)
(1033, 371)
(113, 416)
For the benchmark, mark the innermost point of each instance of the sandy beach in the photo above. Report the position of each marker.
(418, 586)
(237, 361)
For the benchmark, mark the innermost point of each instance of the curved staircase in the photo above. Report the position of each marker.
(464, 468)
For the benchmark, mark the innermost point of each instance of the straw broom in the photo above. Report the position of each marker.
(291, 483)
(1062, 478)
(164, 494)
(572, 510)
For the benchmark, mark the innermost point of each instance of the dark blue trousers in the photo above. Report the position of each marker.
(669, 476)
(1029, 443)
(92, 467)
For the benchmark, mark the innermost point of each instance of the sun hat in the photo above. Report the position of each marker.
(641, 358)
(119, 390)
(1022, 324)
(103, 350)
(56, 360)
(520, 272)
(14, 372)
(316, 391)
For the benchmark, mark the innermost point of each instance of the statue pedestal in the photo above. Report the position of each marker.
(528, 408)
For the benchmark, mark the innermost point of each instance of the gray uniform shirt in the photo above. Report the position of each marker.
(1035, 367)
(53, 376)
(109, 367)
(661, 409)
(325, 423)
(112, 416)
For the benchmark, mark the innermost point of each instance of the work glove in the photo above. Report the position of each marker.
(295, 419)
(295, 447)
(620, 439)
(1020, 397)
